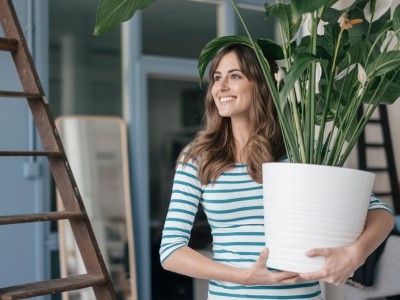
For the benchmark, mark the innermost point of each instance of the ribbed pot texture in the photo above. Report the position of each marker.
(311, 206)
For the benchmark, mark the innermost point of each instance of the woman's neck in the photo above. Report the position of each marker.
(241, 133)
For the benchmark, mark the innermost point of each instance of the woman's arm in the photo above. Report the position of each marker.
(377, 227)
(342, 262)
(189, 262)
(176, 256)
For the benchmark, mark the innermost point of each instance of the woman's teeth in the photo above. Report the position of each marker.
(226, 99)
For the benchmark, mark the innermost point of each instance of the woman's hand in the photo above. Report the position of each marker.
(259, 273)
(340, 264)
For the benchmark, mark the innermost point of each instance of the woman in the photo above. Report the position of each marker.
(221, 169)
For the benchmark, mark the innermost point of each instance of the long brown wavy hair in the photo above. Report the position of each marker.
(214, 146)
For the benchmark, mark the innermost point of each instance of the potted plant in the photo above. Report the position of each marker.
(335, 57)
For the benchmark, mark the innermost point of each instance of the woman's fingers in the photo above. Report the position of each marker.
(290, 280)
(317, 275)
(318, 252)
(262, 259)
(259, 273)
(284, 277)
(338, 266)
(279, 277)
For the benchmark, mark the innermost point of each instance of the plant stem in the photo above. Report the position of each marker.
(351, 110)
(351, 113)
(292, 97)
(310, 109)
(298, 126)
(366, 116)
(327, 98)
(339, 139)
(290, 143)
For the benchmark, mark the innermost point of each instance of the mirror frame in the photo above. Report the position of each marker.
(127, 202)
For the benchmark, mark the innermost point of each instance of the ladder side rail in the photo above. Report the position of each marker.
(70, 196)
(394, 183)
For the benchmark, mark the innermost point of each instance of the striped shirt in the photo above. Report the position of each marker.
(233, 205)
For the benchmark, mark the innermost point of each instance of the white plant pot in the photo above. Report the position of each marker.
(312, 206)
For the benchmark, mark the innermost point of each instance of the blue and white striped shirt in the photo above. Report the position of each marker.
(233, 205)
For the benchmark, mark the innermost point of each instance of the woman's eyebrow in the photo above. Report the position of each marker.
(229, 71)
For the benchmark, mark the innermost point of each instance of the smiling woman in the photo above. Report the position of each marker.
(232, 90)
(221, 170)
(309, 95)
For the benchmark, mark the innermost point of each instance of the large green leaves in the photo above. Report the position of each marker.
(396, 21)
(390, 93)
(386, 91)
(111, 13)
(303, 6)
(284, 13)
(271, 49)
(384, 63)
(214, 46)
(301, 63)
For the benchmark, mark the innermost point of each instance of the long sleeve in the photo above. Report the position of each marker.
(186, 194)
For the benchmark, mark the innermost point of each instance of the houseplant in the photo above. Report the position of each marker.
(348, 59)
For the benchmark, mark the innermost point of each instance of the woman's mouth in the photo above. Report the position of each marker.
(226, 99)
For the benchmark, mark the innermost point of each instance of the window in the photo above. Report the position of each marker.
(178, 28)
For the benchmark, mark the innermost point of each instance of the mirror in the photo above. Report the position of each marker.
(97, 150)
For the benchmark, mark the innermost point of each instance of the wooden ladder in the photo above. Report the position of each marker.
(390, 167)
(97, 276)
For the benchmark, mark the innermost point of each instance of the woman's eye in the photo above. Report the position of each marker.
(235, 76)
(217, 78)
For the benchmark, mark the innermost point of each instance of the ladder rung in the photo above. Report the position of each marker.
(50, 216)
(377, 169)
(20, 94)
(51, 286)
(374, 121)
(375, 145)
(378, 194)
(8, 45)
(30, 153)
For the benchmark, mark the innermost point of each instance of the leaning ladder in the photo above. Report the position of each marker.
(97, 276)
(390, 167)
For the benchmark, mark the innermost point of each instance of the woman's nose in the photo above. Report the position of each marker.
(224, 84)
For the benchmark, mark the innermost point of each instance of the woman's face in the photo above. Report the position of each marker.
(232, 91)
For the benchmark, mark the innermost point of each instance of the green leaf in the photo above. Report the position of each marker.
(319, 108)
(331, 15)
(396, 21)
(378, 24)
(344, 89)
(330, 38)
(283, 12)
(301, 62)
(209, 50)
(372, 6)
(383, 63)
(303, 6)
(351, 127)
(111, 13)
(387, 93)
(360, 45)
(271, 49)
